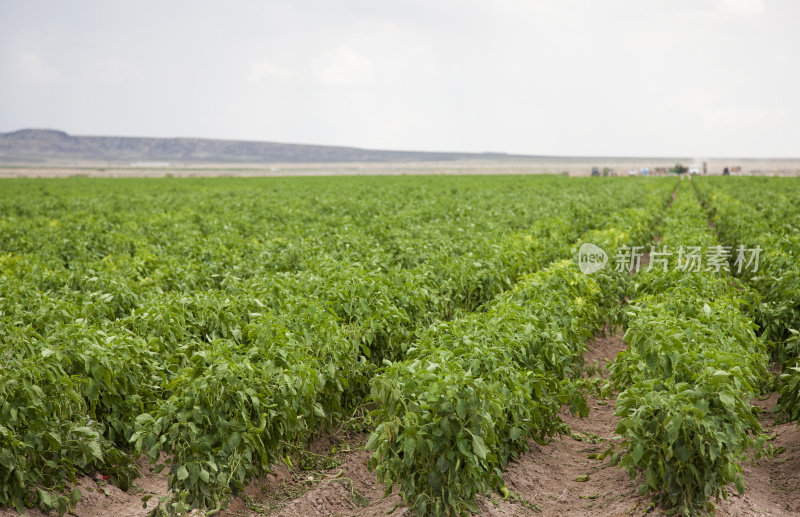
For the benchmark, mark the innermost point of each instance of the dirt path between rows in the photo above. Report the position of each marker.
(772, 484)
(561, 478)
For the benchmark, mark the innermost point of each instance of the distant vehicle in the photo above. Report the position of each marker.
(679, 169)
(694, 171)
(595, 171)
(633, 172)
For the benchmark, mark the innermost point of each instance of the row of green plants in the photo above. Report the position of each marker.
(763, 215)
(127, 324)
(471, 392)
(227, 229)
(134, 259)
(304, 396)
(766, 214)
(692, 365)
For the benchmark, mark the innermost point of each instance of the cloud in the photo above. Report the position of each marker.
(740, 6)
(743, 118)
(546, 76)
(263, 69)
(114, 71)
(31, 69)
(342, 66)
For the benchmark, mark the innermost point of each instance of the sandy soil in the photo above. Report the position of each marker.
(547, 477)
(771, 483)
(579, 166)
(100, 499)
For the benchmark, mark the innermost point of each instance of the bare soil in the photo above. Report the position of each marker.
(560, 478)
(572, 166)
(100, 499)
(772, 483)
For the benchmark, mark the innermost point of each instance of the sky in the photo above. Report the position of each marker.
(698, 78)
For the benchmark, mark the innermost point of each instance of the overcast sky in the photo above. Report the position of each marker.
(695, 78)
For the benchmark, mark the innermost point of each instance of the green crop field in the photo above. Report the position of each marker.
(224, 323)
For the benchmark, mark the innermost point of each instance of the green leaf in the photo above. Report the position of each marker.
(409, 444)
(478, 447)
(94, 448)
(740, 484)
(45, 498)
(727, 399)
(637, 452)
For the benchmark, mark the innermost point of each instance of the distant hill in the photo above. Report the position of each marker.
(47, 145)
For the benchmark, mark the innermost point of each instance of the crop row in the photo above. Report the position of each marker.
(763, 217)
(174, 344)
(692, 365)
(768, 217)
(472, 392)
(222, 230)
(302, 396)
(281, 400)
